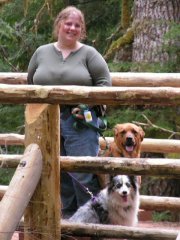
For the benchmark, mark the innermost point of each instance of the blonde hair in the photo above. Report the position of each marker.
(64, 14)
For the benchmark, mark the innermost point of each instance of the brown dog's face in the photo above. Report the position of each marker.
(128, 138)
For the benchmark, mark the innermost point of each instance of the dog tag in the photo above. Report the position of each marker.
(88, 116)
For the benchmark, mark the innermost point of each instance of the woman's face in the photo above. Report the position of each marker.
(70, 29)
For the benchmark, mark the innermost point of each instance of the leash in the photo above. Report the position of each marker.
(101, 212)
(86, 189)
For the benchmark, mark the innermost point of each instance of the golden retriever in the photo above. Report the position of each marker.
(127, 143)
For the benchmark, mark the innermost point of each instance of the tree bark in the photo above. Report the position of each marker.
(152, 20)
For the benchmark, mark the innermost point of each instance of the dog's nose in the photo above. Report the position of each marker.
(129, 141)
(124, 193)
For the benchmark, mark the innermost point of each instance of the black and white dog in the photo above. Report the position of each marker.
(117, 204)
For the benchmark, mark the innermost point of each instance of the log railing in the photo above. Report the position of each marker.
(22, 94)
(42, 215)
(126, 79)
(137, 166)
(148, 144)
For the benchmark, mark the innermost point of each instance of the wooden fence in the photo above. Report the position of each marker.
(42, 209)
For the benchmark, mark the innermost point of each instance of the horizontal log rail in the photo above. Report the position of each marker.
(114, 231)
(141, 166)
(159, 203)
(148, 144)
(7, 139)
(126, 79)
(21, 94)
(136, 166)
(146, 202)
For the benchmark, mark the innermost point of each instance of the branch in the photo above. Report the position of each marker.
(150, 124)
(2, 50)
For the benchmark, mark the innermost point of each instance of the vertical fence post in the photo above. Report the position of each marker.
(42, 216)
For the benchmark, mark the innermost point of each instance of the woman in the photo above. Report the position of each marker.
(70, 62)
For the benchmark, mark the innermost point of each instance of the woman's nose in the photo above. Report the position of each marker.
(73, 27)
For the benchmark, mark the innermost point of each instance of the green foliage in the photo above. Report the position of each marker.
(172, 47)
(31, 25)
(6, 175)
(22, 34)
(168, 67)
(120, 67)
(11, 118)
(102, 18)
(11, 121)
(164, 117)
(161, 216)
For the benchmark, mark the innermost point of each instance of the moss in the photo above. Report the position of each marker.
(127, 38)
(126, 14)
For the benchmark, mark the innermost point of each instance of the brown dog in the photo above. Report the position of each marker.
(127, 143)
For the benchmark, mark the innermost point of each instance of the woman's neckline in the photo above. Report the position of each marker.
(67, 52)
(75, 49)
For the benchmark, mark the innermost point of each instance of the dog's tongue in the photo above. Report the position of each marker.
(129, 148)
(124, 198)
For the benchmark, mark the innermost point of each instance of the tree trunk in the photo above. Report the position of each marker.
(152, 20)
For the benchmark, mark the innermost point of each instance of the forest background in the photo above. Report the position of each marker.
(132, 35)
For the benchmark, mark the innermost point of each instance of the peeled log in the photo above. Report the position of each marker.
(148, 144)
(11, 139)
(19, 94)
(115, 231)
(160, 203)
(129, 166)
(20, 191)
(136, 166)
(42, 216)
(13, 78)
(151, 145)
(146, 202)
(134, 79)
(123, 79)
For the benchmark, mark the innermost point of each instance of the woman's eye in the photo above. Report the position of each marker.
(69, 24)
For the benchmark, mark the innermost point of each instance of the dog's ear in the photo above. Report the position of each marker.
(142, 133)
(112, 176)
(134, 181)
(111, 182)
(117, 129)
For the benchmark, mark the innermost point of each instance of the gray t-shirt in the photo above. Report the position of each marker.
(83, 67)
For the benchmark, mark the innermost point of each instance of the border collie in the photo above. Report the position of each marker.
(117, 204)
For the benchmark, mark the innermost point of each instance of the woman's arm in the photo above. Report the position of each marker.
(98, 69)
(32, 68)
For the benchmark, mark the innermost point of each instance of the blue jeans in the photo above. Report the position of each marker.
(82, 142)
